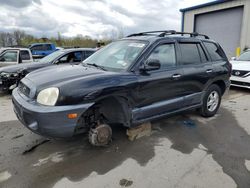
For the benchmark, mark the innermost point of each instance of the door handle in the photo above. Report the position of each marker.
(209, 71)
(175, 76)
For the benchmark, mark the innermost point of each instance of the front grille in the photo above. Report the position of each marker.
(240, 73)
(240, 83)
(24, 89)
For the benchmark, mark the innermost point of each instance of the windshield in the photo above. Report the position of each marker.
(245, 56)
(117, 56)
(51, 57)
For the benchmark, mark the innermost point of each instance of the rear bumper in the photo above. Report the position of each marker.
(48, 121)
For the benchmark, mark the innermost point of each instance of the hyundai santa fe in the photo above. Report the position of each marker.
(139, 78)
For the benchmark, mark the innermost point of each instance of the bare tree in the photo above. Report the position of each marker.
(18, 36)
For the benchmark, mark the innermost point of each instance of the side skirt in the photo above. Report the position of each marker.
(158, 116)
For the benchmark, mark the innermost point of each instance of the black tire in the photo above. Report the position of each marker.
(208, 110)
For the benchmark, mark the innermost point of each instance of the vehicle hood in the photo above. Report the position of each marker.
(240, 65)
(21, 66)
(57, 75)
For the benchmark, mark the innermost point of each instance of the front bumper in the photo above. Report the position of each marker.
(240, 81)
(48, 121)
(6, 85)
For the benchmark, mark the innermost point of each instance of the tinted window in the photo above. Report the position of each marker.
(88, 53)
(190, 53)
(47, 47)
(202, 53)
(215, 53)
(41, 47)
(37, 47)
(9, 57)
(165, 54)
(24, 55)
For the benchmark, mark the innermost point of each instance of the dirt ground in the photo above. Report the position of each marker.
(184, 150)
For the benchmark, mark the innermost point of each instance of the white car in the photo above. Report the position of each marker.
(13, 56)
(241, 70)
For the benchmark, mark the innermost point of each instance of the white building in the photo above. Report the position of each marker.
(225, 21)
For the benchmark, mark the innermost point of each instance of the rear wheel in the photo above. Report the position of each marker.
(211, 101)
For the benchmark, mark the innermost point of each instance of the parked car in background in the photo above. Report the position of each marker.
(40, 50)
(11, 75)
(241, 70)
(140, 78)
(14, 56)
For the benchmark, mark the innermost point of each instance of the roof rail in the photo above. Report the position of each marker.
(163, 33)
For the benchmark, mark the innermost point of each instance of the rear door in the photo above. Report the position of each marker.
(221, 66)
(197, 71)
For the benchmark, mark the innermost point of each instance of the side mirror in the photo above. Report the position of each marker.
(151, 64)
(233, 58)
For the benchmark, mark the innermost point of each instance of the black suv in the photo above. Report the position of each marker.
(133, 80)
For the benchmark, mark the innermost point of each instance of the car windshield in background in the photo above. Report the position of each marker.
(51, 56)
(245, 56)
(116, 56)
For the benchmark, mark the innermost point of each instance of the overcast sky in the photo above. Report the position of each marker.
(95, 18)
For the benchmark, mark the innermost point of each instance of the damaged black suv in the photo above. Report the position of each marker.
(142, 77)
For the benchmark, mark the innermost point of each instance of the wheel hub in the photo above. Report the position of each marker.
(101, 135)
(212, 101)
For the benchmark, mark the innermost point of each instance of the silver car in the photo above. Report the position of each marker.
(14, 56)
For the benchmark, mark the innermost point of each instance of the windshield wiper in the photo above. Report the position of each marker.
(97, 66)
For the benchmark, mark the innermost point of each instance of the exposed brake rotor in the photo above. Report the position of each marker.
(101, 135)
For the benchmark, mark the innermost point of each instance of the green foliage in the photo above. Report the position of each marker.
(21, 38)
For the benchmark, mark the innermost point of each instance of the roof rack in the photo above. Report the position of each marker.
(168, 32)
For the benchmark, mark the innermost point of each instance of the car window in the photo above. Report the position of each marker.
(37, 47)
(88, 53)
(41, 47)
(165, 53)
(190, 53)
(9, 56)
(202, 54)
(215, 53)
(47, 47)
(25, 55)
(71, 57)
(245, 56)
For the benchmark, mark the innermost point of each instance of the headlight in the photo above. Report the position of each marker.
(48, 96)
(5, 74)
(8, 74)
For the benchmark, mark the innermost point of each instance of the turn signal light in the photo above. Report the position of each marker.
(72, 116)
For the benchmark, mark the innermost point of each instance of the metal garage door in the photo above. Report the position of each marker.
(223, 26)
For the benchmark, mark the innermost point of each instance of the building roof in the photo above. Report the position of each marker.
(204, 5)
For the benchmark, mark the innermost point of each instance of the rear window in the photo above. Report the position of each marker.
(190, 53)
(215, 53)
(24, 55)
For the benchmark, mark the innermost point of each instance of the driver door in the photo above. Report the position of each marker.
(10, 57)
